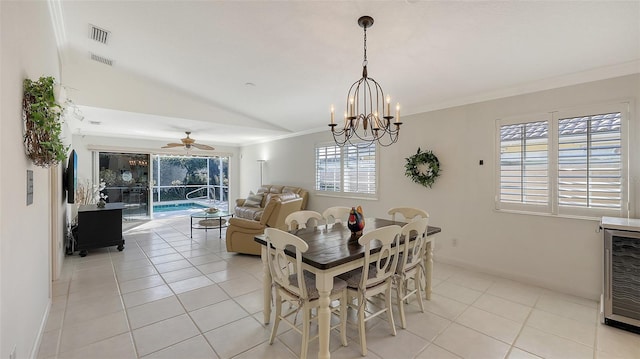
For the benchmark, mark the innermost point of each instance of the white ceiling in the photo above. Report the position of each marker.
(184, 65)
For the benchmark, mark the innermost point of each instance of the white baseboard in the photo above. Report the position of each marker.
(43, 324)
(515, 277)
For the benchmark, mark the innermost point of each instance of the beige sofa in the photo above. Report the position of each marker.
(277, 203)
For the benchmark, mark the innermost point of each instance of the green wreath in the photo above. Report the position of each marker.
(423, 168)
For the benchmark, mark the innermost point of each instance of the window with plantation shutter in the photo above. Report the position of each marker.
(347, 170)
(590, 161)
(328, 169)
(570, 162)
(359, 171)
(524, 175)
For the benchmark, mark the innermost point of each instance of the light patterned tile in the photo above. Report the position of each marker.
(521, 354)
(140, 283)
(202, 297)
(457, 292)
(240, 285)
(166, 258)
(91, 331)
(567, 309)
(617, 342)
(172, 266)
(135, 273)
(133, 264)
(91, 308)
(120, 346)
(49, 344)
(515, 292)
(217, 315)
(208, 258)
(580, 332)
(164, 334)
(471, 280)
(435, 352)
(252, 302)
(425, 325)
(490, 324)
(550, 346)
(403, 345)
(468, 343)
(228, 344)
(212, 267)
(190, 284)
(503, 307)
(196, 347)
(155, 311)
(227, 274)
(180, 274)
(277, 350)
(444, 307)
(146, 295)
(160, 252)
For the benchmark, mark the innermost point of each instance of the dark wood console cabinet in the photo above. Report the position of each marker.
(99, 227)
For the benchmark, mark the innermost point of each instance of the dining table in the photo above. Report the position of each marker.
(334, 251)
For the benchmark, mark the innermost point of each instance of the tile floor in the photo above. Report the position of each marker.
(166, 296)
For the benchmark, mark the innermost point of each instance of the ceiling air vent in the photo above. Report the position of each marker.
(101, 59)
(98, 34)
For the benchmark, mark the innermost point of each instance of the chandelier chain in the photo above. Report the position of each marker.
(364, 63)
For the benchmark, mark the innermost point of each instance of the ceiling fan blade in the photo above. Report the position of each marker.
(170, 145)
(202, 147)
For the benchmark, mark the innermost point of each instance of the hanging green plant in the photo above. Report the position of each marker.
(42, 124)
(423, 168)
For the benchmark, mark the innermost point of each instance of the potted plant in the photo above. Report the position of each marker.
(42, 124)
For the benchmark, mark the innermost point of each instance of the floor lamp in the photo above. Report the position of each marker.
(261, 162)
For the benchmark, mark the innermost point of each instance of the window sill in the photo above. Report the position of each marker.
(564, 216)
(345, 195)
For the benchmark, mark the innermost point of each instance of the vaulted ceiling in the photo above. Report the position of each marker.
(236, 72)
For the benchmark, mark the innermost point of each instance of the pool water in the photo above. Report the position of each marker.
(177, 207)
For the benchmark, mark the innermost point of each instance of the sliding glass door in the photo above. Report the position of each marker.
(182, 180)
(126, 179)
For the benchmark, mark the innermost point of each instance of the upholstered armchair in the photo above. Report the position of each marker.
(242, 231)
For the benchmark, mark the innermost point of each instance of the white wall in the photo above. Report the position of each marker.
(28, 49)
(558, 253)
(82, 144)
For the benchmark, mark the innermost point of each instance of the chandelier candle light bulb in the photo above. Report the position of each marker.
(388, 105)
(366, 120)
(351, 106)
(332, 110)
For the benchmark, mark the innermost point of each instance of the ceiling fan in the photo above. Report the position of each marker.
(187, 143)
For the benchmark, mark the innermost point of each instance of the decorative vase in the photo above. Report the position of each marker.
(355, 222)
(101, 203)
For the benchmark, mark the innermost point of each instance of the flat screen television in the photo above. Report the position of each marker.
(71, 177)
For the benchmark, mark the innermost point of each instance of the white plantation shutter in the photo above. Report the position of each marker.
(360, 169)
(349, 170)
(524, 175)
(590, 161)
(328, 168)
(572, 162)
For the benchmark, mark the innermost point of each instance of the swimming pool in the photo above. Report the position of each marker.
(177, 207)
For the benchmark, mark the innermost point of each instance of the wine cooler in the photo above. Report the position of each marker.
(621, 292)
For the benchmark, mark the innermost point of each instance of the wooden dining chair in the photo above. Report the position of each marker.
(298, 288)
(411, 265)
(300, 219)
(374, 277)
(408, 213)
(336, 214)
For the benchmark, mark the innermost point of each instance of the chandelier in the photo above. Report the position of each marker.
(366, 118)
